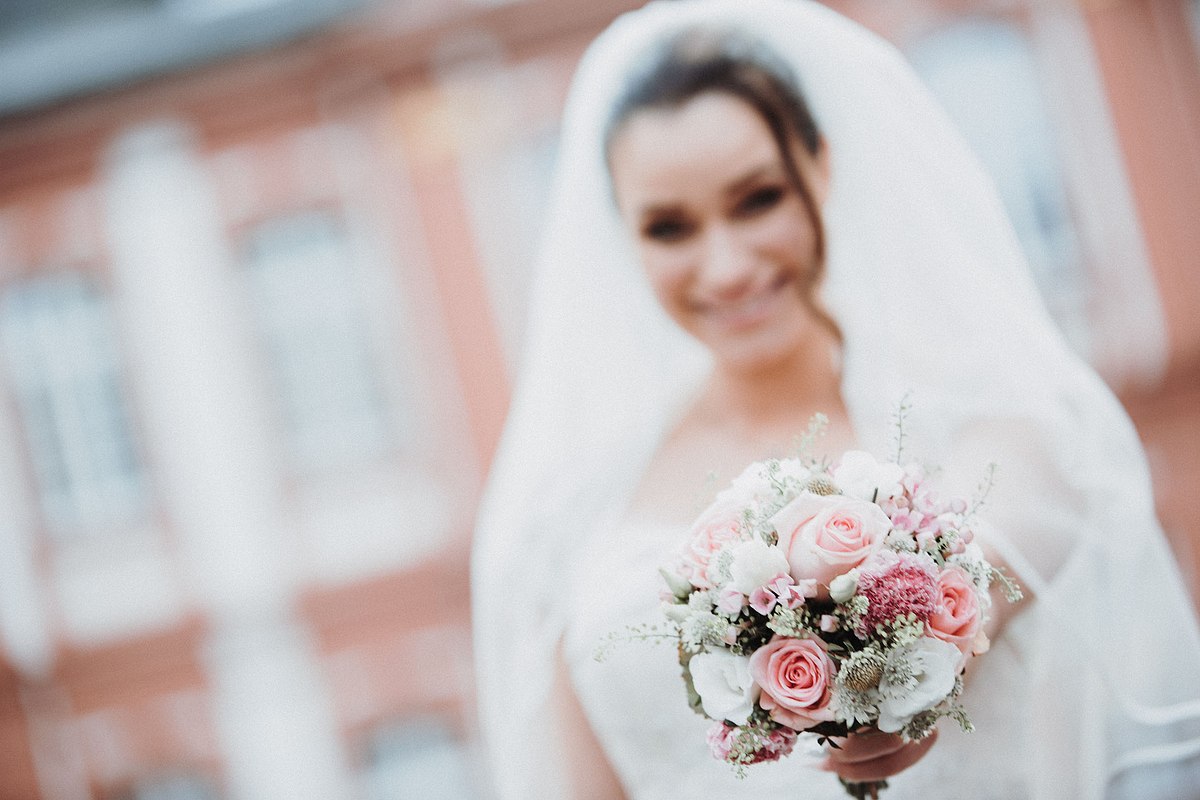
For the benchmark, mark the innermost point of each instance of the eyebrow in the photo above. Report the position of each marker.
(733, 187)
(752, 176)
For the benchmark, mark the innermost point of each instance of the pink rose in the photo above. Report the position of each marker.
(795, 677)
(824, 536)
(719, 525)
(956, 616)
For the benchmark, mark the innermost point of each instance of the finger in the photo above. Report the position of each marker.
(887, 765)
(877, 769)
(866, 745)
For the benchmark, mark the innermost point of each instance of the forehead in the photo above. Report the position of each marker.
(667, 154)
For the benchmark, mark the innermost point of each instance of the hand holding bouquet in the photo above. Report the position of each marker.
(828, 601)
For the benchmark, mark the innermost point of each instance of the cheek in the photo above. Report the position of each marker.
(785, 236)
(669, 271)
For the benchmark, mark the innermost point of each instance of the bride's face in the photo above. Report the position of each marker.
(725, 238)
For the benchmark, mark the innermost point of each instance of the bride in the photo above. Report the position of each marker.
(760, 215)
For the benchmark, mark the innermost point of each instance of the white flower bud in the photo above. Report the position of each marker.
(843, 587)
(677, 584)
(675, 613)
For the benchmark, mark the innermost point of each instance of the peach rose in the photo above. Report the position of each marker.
(795, 676)
(720, 524)
(956, 614)
(824, 536)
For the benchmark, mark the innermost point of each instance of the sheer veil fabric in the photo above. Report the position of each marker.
(926, 279)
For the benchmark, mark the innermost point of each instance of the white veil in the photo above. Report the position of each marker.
(927, 282)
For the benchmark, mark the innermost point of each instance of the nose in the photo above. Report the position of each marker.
(727, 270)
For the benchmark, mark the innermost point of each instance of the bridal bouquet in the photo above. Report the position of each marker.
(825, 599)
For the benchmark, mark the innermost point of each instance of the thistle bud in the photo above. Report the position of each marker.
(862, 671)
(820, 484)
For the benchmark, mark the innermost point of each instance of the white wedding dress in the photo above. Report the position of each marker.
(637, 706)
(1091, 691)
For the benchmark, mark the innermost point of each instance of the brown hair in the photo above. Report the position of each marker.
(699, 61)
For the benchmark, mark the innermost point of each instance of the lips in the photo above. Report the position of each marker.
(749, 309)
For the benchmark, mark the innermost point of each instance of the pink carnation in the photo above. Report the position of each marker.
(722, 737)
(896, 584)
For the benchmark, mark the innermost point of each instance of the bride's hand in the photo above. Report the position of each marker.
(872, 755)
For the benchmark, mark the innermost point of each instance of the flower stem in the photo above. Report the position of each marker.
(863, 791)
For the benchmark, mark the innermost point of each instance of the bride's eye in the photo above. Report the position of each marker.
(666, 230)
(760, 200)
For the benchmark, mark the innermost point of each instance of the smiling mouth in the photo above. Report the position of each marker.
(749, 310)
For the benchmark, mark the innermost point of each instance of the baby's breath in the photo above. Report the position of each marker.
(899, 417)
(1012, 592)
(790, 622)
(901, 541)
(901, 631)
(979, 572)
(645, 632)
(852, 611)
(920, 726)
(816, 428)
(703, 630)
(718, 568)
(701, 601)
(982, 492)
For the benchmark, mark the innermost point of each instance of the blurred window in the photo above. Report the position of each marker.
(311, 316)
(417, 760)
(62, 364)
(984, 74)
(1194, 8)
(174, 787)
(508, 195)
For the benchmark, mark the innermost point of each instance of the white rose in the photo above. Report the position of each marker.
(933, 665)
(723, 682)
(860, 475)
(755, 563)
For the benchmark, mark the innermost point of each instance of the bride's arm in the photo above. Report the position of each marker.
(587, 773)
(874, 755)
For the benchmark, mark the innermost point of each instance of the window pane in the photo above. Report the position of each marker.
(316, 341)
(174, 787)
(984, 74)
(1194, 8)
(417, 759)
(62, 365)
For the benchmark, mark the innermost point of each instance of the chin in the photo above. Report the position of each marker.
(760, 353)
